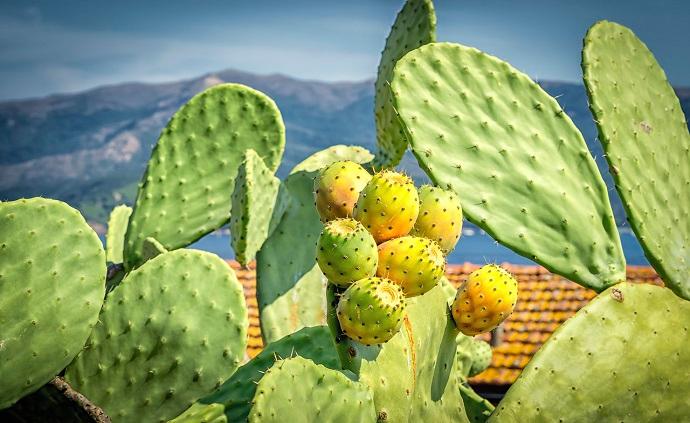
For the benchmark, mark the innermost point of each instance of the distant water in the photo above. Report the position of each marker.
(475, 246)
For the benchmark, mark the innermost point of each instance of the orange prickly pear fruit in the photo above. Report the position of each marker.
(440, 217)
(337, 187)
(484, 300)
(388, 205)
(414, 263)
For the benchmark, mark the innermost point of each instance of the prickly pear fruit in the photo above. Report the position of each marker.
(414, 263)
(440, 217)
(388, 205)
(484, 300)
(371, 310)
(481, 356)
(346, 252)
(337, 187)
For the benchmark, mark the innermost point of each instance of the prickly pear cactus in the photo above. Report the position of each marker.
(337, 187)
(481, 357)
(414, 26)
(440, 217)
(115, 237)
(414, 376)
(484, 300)
(645, 135)
(257, 206)
(480, 127)
(171, 332)
(316, 393)
(232, 401)
(346, 252)
(290, 287)
(371, 310)
(151, 248)
(187, 185)
(414, 263)
(388, 205)
(52, 283)
(624, 356)
(478, 409)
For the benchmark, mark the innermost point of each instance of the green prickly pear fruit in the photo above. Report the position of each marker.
(371, 310)
(481, 356)
(484, 300)
(346, 252)
(388, 205)
(337, 187)
(440, 217)
(414, 263)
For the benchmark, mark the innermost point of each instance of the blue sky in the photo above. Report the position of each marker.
(65, 46)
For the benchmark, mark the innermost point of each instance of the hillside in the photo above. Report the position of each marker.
(90, 148)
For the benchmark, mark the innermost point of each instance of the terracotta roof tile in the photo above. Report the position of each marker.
(545, 301)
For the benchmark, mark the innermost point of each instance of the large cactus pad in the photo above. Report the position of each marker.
(172, 331)
(290, 287)
(625, 356)
(414, 26)
(523, 172)
(645, 136)
(115, 237)
(186, 190)
(296, 389)
(52, 282)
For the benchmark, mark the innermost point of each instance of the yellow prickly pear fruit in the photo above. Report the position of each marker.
(388, 205)
(337, 187)
(484, 300)
(414, 263)
(440, 217)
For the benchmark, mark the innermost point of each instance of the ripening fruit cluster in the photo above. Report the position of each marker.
(383, 241)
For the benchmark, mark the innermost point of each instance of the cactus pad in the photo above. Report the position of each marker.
(151, 248)
(290, 287)
(440, 217)
(414, 26)
(485, 130)
(371, 310)
(337, 187)
(233, 400)
(115, 237)
(296, 389)
(186, 190)
(625, 356)
(645, 135)
(388, 205)
(52, 283)
(173, 330)
(414, 263)
(346, 252)
(485, 300)
(477, 408)
(481, 356)
(255, 204)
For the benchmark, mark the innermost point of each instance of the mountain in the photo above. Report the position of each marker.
(90, 149)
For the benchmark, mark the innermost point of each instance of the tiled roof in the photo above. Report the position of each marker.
(545, 301)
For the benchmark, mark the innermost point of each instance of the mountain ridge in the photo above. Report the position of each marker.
(90, 148)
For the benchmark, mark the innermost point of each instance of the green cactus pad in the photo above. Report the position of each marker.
(414, 376)
(414, 26)
(290, 287)
(623, 357)
(481, 356)
(346, 252)
(478, 409)
(232, 401)
(254, 201)
(172, 331)
(296, 389)
(440, 217)
(186, 190)
(115, 237)
(416, 264)
(645, 135)
(480, 127)
(52, 283)
(151, 248)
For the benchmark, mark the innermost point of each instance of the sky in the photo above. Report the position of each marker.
(62, 46)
